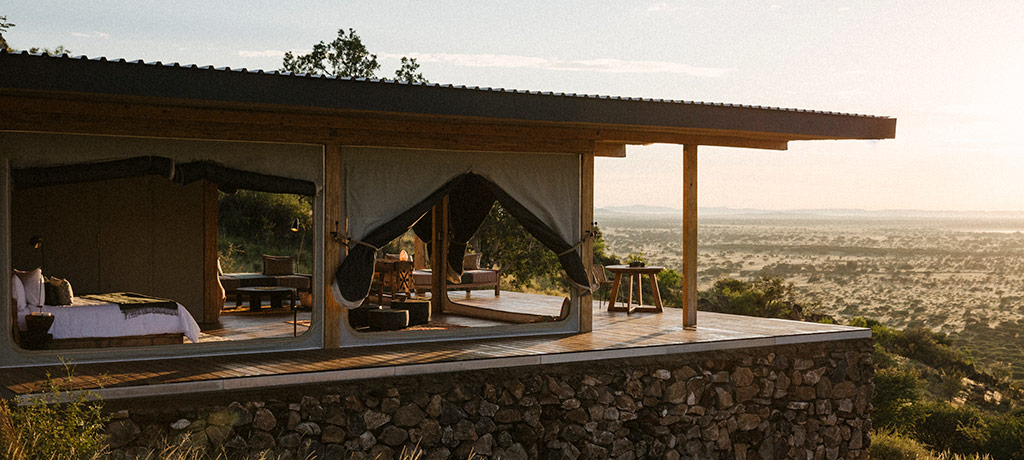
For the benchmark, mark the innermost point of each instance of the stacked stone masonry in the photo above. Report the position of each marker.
(807, 401)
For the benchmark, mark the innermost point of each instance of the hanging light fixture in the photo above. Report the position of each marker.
(296, 227)
(36, 242)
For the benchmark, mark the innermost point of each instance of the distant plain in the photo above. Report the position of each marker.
(959, 273)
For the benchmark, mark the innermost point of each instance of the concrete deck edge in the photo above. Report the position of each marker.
(278, 380)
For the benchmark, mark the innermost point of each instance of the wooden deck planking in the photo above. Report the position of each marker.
(614, 334)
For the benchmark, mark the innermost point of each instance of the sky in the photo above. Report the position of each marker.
(951, 72)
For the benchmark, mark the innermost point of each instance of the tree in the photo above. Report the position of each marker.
(408, 71)
(346, 56)
(4, 25)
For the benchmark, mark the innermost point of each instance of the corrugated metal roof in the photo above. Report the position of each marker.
(439, 85)
(137, 77)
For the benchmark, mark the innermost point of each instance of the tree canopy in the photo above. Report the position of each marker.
(4, 25)
(347, 56)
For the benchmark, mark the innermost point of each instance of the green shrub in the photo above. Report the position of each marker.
(896, 400)
(999, 435)
(946, 427)
(882, 359)
(932, 348)
(767, 297)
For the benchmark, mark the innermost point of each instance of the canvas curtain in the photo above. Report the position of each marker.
(469, 202)
(392, 189)
(290, 161)
(227, 179)
(43, 176)
(230, 180)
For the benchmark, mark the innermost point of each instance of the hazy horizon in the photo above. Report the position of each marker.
(867, 210)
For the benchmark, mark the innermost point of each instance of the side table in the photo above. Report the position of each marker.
(37, 333)
(635, 274)
(394, 280)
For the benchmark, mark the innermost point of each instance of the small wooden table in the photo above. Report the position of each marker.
(635, 273)
(394, 276)
(276, 294)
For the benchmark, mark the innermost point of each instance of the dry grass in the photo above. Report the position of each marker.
(889, 445)
(45, 430)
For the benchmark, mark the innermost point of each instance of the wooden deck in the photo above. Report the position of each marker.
(615, 335)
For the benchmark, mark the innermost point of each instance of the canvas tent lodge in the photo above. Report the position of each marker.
(377, 157)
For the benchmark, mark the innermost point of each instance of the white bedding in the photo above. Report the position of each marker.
(92, 318)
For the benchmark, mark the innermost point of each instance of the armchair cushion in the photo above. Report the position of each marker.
(278, 265)
(479, 276)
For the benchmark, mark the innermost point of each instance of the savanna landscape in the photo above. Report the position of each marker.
(956, 273)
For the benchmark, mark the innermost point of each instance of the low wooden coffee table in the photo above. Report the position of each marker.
(635, 273)
(276, 294)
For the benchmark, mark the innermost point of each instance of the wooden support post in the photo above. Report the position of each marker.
(587, 228)
(333, 220)
(419, 253)
(213, 298)
(689, 235)
(439, 259)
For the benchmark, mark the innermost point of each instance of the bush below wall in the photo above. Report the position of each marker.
(809, 401)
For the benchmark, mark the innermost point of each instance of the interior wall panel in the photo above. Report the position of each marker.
(140, 235)
(177, 244)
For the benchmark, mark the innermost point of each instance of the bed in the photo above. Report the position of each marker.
(90, 318)
(96, 320)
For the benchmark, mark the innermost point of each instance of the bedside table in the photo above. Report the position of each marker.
(37, 334)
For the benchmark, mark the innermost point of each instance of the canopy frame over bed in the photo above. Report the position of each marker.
(134, 100)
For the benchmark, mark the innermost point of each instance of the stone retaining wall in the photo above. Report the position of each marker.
(808, 401)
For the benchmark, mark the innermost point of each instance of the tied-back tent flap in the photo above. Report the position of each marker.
(227, 179)
(470, 198)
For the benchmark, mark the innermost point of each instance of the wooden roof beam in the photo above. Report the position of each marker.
(743, 140)
(610, 149)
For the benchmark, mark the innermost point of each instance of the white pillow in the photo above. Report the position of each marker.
(18, 293)
(33, 281)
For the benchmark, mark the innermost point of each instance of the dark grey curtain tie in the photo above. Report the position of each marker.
(354, 242)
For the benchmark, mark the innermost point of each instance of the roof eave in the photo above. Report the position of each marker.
(193, 84)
